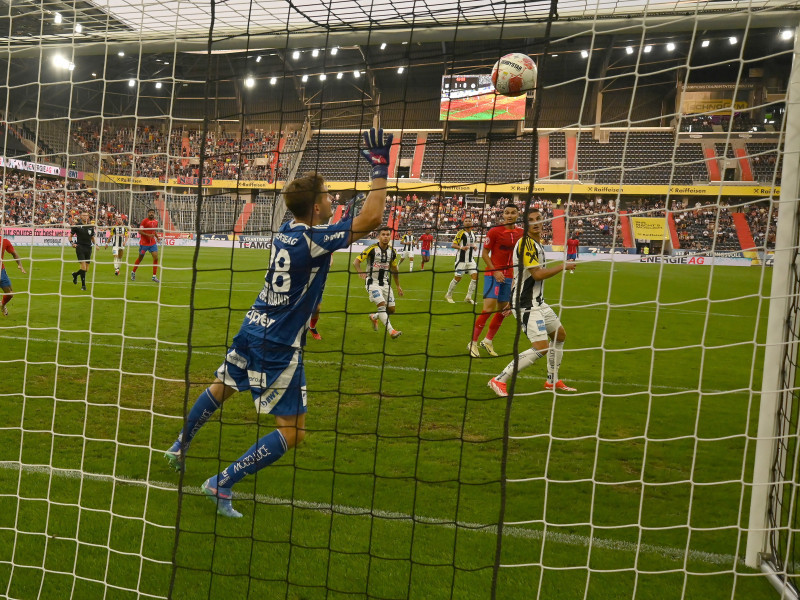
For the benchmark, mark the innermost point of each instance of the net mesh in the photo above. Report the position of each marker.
(654, 139)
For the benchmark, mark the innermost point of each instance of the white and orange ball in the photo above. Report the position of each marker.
(514, 74)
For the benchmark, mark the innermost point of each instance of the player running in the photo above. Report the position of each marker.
(266, 356)
(84, 233)
(5, 282)
(425, 243)
(466, 244)
(407, 242)
(118, 236)
(537, 320)
(497, 279)
(148, 242)
(381, 260)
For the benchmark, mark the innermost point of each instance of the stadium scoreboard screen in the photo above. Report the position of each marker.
(472, 98)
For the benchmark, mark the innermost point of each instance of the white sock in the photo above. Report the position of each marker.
(471, 291)
(116, 264)
(384, 318)
(453, 284)
(411, 265)
(525, 360)
(554, 357)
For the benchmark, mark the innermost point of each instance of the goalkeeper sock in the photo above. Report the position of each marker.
(262, 454)
(155, 266)
(526, 359)
(497, 320)
(453, 284)
(554, 357)
(471, 290)
(384, 318)
(6, 299)
(200, 413)
(480, 323)
(312, 324)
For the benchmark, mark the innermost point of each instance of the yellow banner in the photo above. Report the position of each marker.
(564, 188)
(649, 228)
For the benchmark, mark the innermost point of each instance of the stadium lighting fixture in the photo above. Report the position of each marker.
(334, 50)
(356, 73)
(315, 53)
(120, 53)
(322, 77)
(339, 75)
(648, 48)
(400, 70)
(57, 18)
(584, 54)
(787, 34)
(131, 82)
(249, 82)
(166, 62)
(78, 28)
(732, 40)
(383, 46)
(94, 74)
(670, 47)
(705, 43)
(158, 85)
(71, 66)
(273, 80)
(296, 54)
(554, 56)
(258, 58)
(58, 60)
(304, 78)
(628, 50)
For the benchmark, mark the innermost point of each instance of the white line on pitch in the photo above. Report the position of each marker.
(570, 539)
(311, 361)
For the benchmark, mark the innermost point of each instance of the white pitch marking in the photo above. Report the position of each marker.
(570, 539)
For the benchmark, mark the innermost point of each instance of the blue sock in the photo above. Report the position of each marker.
(201, 412)
(262, 454)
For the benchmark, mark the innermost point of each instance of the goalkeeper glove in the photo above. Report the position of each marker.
(377, 152)
(353, 204)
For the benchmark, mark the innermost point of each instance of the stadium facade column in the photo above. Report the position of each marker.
(779, 344)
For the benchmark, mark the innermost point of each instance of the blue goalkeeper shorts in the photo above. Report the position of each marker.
(494, 289)
(275, 375)
(144, 249)
(4, 280)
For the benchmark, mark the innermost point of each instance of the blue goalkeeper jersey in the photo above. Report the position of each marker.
(299, 265)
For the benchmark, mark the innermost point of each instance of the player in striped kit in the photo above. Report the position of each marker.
(381, 260)
(466, 245)
(407, 252)
(118, 236)
(538, 321)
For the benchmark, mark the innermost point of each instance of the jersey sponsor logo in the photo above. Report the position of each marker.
(236, 360)
(383, 266)
(255, 317)
(333, 236)
(273, 298)
(258, 454)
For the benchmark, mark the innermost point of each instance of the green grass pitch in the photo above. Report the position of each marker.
(634, 487)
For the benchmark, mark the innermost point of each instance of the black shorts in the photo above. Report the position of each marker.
(84, 253)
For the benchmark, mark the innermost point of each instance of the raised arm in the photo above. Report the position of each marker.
(376, 153)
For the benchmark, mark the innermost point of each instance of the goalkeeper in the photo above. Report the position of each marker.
(266, 356)
(537, 320)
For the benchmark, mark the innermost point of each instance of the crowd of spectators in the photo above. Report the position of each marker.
(763, 221)
(26, 201)
(706, 227)
(148, 151)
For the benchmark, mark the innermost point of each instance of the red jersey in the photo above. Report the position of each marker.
(5, 246)
(426, 239)
(500, 243)
(572, 246)
(147, 232)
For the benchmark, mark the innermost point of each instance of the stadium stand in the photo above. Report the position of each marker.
(764, 158)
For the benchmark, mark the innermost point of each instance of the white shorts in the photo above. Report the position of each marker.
(538, 322)
(468, 268)
(380, 293)
(117, 249)
(407, 254)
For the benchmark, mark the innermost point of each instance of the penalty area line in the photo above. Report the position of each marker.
(569, 539)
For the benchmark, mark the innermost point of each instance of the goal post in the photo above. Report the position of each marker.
(775, 449)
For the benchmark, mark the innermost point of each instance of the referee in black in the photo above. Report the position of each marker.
(84, 233)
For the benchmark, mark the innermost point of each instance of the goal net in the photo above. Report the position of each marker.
(647, 444)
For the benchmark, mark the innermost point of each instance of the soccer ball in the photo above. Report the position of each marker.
(514, 74)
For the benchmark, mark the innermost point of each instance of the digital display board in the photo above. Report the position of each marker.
(472, 98)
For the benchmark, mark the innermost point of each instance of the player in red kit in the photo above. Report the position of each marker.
(5, 282)
(572, 248)
(497, 255)
(148, 242)
(425, 242)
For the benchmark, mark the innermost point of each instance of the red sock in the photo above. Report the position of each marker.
(495, 325)
(480, 322)
(155, 266)
(6, 299)
(136, 264)
(313, 322)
